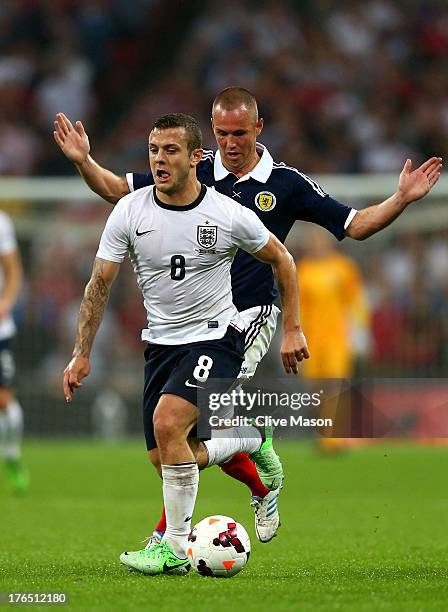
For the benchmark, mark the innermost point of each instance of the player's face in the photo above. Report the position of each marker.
(236, 133)
(169, 159)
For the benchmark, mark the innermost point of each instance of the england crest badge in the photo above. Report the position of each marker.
(207, 237)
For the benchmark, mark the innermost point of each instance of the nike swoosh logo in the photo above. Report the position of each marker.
(168, 568)
(188, 384)
(143, 233)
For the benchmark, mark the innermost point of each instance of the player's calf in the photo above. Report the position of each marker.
(154, 457)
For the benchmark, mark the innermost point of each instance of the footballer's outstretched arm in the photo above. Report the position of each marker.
(294, 347)
(412, 186)
(96, 296)
(74, 143)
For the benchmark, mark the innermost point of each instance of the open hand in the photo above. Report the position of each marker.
(73, 141)
(414, 184)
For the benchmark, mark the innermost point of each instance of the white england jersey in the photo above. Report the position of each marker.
(182, 257)
(8, 245)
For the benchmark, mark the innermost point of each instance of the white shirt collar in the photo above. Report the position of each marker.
(260, 173)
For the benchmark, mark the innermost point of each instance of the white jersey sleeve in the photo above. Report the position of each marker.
(114, 243)
(8, 242)
(248, 232)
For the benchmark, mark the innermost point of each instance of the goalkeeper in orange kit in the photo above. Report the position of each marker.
(335, 316)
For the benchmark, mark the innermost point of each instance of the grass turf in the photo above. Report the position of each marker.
(363, 531)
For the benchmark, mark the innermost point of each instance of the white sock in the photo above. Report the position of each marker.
(180, 487)
(12, 429)
(236, 440)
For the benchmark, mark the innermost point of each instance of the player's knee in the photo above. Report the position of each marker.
(166, 428)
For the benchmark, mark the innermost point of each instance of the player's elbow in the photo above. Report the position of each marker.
(358, 232)
(283, 260)
(360, 237)
(112, 198)
(114, 190)
(364, 224)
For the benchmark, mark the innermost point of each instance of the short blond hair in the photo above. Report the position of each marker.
(232, 98)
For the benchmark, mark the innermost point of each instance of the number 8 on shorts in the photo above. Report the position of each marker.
(202, 370)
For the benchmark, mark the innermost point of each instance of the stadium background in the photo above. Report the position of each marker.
(348, 90)
(346, 93)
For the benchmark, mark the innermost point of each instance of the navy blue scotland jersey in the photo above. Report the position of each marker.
(279, 195)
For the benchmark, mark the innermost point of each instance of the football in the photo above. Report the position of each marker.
(218, 546)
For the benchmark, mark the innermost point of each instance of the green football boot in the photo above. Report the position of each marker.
(269, 466)
(18, 476)
(158, 559)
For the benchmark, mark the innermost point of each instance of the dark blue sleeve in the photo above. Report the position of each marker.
(140, 179)
(312, 204)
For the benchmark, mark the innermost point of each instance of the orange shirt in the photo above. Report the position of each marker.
(331, 297)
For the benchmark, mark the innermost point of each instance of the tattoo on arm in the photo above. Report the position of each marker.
(96, 296)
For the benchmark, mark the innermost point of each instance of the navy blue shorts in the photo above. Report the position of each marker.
(7, 364)
(180, 369)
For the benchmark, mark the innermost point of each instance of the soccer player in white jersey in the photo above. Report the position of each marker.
(11, 415)
(243, 169)
(182, 237)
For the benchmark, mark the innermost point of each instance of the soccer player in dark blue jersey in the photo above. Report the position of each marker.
(243, 169)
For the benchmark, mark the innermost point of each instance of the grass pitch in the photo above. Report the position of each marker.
(363, 531)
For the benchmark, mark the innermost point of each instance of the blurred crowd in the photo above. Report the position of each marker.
(87, 58)
(405, 281)
(346, 87)
(408, 291)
